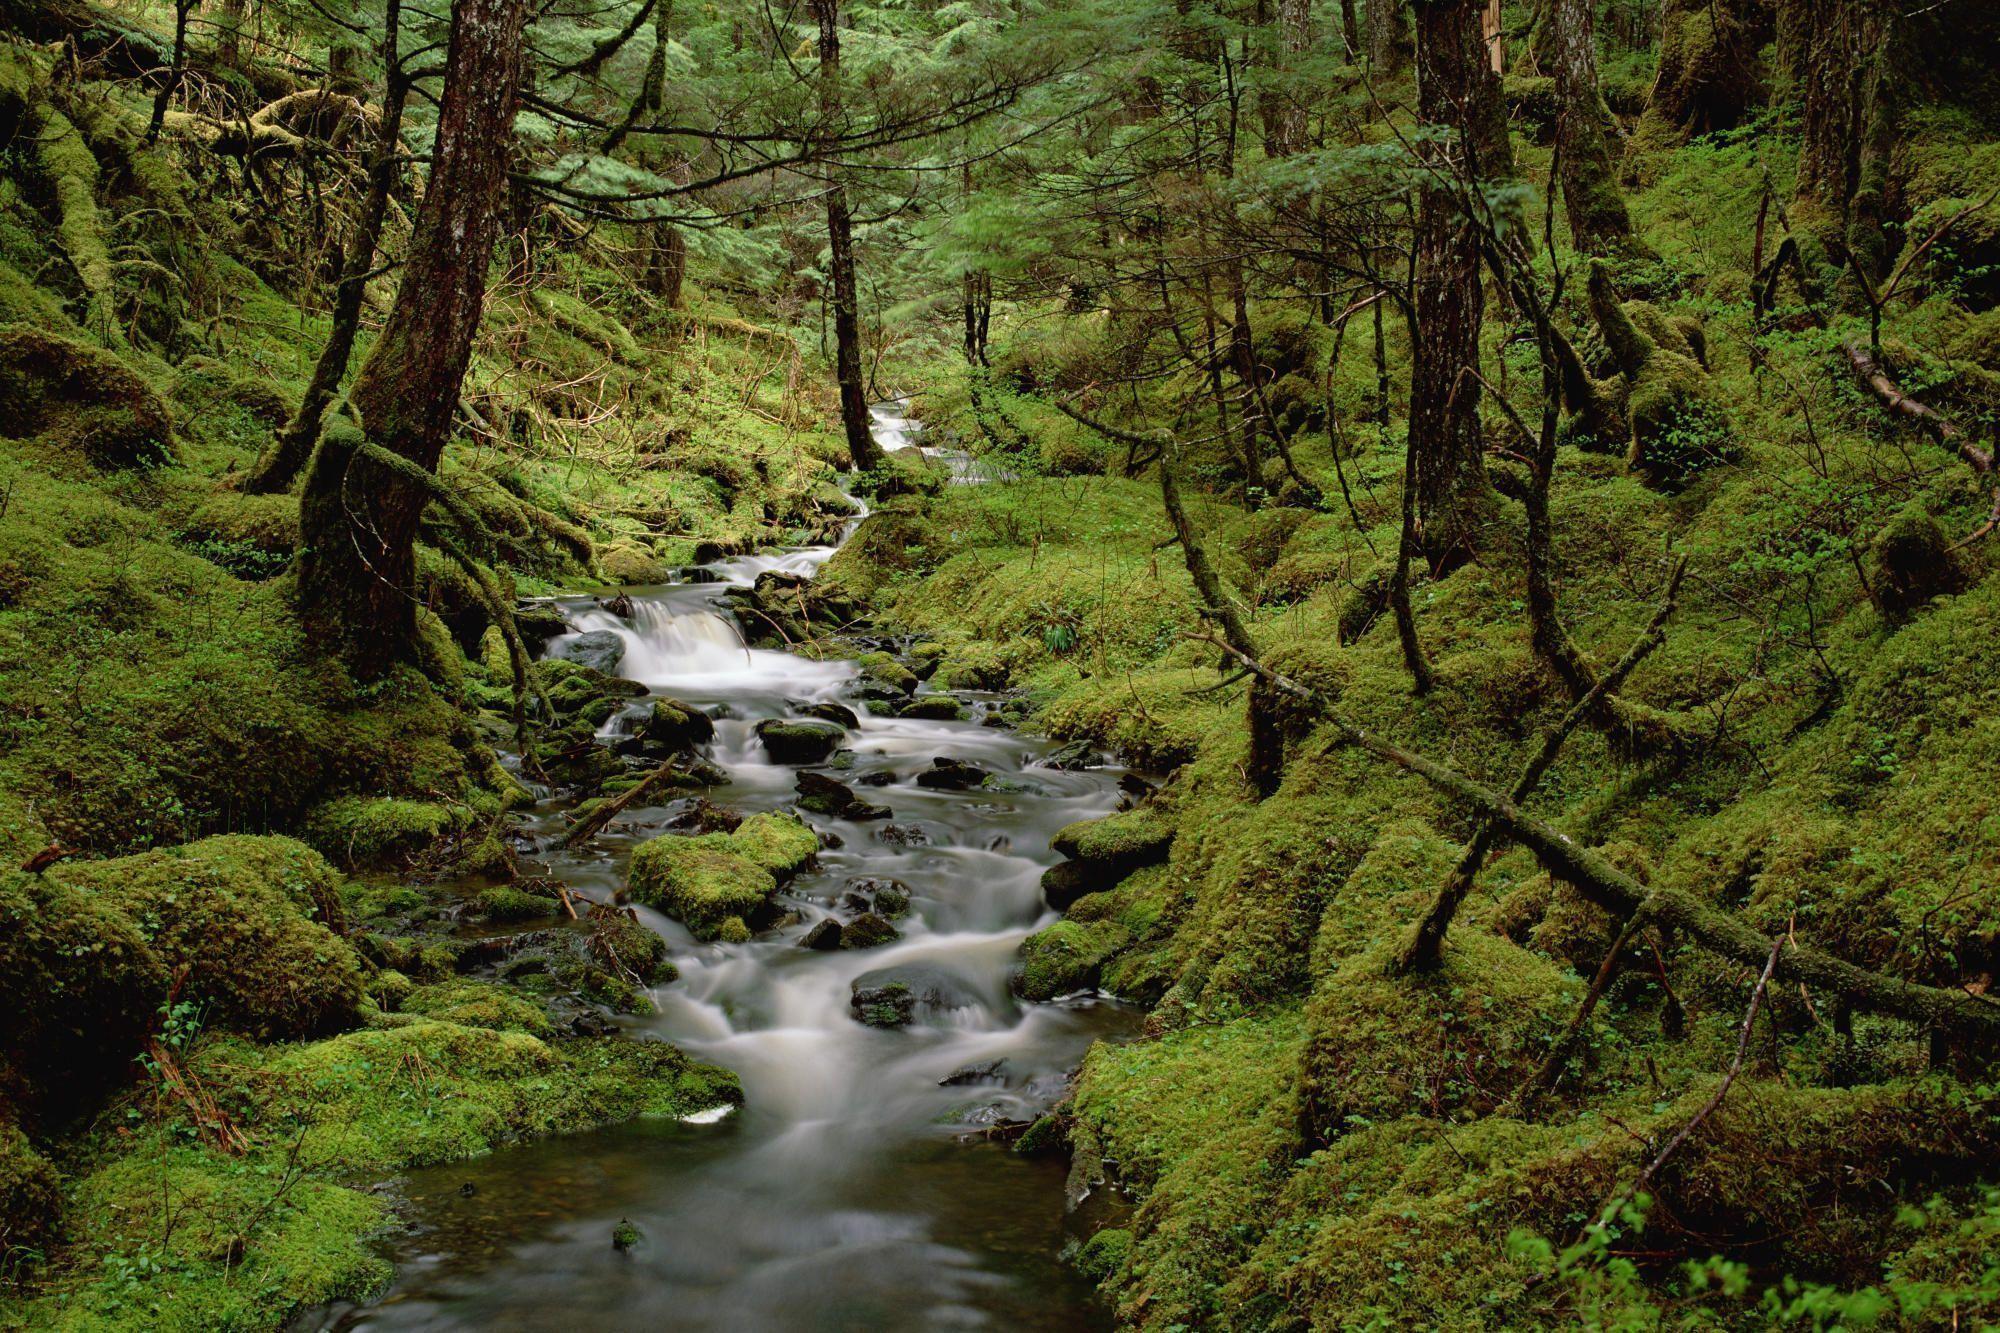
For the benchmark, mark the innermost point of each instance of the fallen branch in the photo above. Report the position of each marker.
(589, 825)
(1940, 427)
(1423, 946)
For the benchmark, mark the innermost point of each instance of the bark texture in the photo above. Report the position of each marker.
(1598, 220)
(861, 446)
(1456, 89)
(358, 518)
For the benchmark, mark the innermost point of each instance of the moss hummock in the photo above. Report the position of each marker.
(717, 884)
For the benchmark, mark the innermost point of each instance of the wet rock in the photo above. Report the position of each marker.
(906, 987)
(885, 670)
(933, 708)
(903, 835)
(989, 1072)
(624, 1236)
(875, 697)
(1073, 757)
(824, 936)
(674, 725)
(1012, 786)
(951, 775)
(591, 1023)
(868, 931)
(539, 622)
(598, 649)
(619, 605)
(880, 778)
(826, 711)
(697, 574)
(1135, 786)
(1064, 883)
(886, 1006)
(890, 897)
(798, 742)
(823, 795)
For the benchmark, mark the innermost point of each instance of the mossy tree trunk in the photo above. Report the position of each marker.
(666, 257)
(281, 464)
(1386, 35)
(1598, 220)
(1836, 46)
(1284, 109)
(1457, 90)
(861, 446)
(1707, 73)
(358, 518)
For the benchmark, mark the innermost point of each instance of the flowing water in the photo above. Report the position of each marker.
(844, 1195)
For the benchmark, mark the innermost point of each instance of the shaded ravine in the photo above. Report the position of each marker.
(844, 1195)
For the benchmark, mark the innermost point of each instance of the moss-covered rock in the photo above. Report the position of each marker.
(233, 914)
(1465, 1035)
(674, 725)
(1911, 561)
(629, 563)
(1065, 957)
(477, 1004)
(81, 988)
(884, 669)
(933, 708)
(82, 403)
(703, 882)
(798, 742)
(778, 842)
(361, 831)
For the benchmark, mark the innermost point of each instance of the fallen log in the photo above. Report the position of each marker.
(1957, 1013)
(610, 810)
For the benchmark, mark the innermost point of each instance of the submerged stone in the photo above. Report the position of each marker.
(598, 649)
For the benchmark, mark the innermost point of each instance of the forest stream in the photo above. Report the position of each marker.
(853, 1189)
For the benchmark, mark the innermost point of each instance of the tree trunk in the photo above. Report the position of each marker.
(358, 517)
(1598, 220)
(1285, 108)
(1385, 35)
(280, 464)
(666, 257)
(1457, 89)
(1707, 73)
(1350, 29)
(861, 447)
(1838, 42)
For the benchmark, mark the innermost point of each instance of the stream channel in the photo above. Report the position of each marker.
(845, 1194)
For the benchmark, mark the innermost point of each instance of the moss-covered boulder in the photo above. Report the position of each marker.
(1911, 561)
(777, 842)
(886, 670)
(673, 725)
(1115, 846)
(628, 562)
(358, 831)
(478, 1004)
(789, 742)
(81, 988)
(80, 402)
(933, 708)
(236, 914)
(1066, 957)
(703, 882)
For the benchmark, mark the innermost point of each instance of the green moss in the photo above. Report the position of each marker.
(933, 708)
(1067, 956)
(1121, 842)
(477, 1004)
(777, 842)
(630, 563)
(231, 916)
(1463, 1036)
(504, 902)
(703, 882)
(1202, 1126)
(1104, 1253)
(371, 831)
(886, 670)
(72, 403)
(30, 1199)
(81, 987)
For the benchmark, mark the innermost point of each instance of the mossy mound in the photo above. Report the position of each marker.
(886, 670)
(70, 401)
(81, 988)
(30, 1198)
(1464, 1036)
(226, 913)
(477, 1004)
(360, 831)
